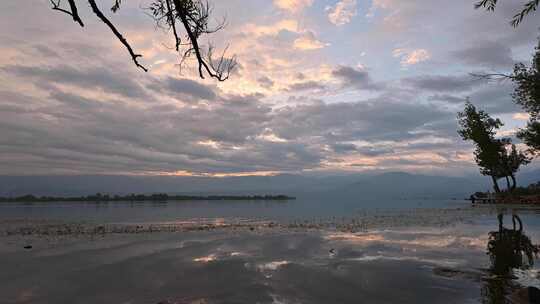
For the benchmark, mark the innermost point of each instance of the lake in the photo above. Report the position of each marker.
(300, 208)
(407, 251)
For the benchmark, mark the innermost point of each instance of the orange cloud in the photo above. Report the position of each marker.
(293, 6)
(411, 57)
(308, 41)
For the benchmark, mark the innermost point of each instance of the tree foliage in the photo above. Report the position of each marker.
(531, 135)
(527, 95)
(188, 20)
(529, 7)
(479, 127)
(496, 157)
(527, 80)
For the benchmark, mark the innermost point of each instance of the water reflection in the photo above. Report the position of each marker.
(508, 249)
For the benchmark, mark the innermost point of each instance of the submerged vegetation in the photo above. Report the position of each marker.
(98, 197)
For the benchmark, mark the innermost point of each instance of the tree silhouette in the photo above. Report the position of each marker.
(508, 249)
(527, 95)
(529, 7)
(190, 15)
(479, 127)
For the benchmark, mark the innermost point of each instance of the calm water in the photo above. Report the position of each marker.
(300, 208)
(415, 252)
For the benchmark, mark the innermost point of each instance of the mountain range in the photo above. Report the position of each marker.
(396, 185)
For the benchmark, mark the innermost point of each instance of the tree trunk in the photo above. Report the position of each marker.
(513, 181)
(507, 184)
(495, 185)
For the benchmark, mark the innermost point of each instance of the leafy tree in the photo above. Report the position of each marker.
(531, 135)
(190, 15)
(527, 80)
(529, 7)
(479, 127)
(527, 95)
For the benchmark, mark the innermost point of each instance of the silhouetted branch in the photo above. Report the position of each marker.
(123, 40)
(528, 8)
(116, 6)
(195, 24)
(492, 76)
(192, 14)
(172, 22)
(73, 13)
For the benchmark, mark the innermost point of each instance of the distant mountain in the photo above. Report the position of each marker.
(399, 185)
(396, 185)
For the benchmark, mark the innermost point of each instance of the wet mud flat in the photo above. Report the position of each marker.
(400, 260)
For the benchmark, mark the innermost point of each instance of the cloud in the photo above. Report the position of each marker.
(69, 133)
(451, 99)
(265, 82)
(67, 108)
(293, 5)
(357, 78)
(363, 150)
(92, 78)
(342, 13)
(308, 41)
(274, 29)
(486, 53)
(306, 85)
(411, 57)
(442, 83)
(184, 87)
(382, 118)
(495, 99)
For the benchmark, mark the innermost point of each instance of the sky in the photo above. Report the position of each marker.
(322, 87)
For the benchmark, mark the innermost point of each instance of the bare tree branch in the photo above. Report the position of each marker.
(193, 15)
(123, 40)
(73, 13)
(173, 24)
(492, 76)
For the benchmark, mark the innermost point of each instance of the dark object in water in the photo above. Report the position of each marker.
(534, 294)
(530, 295)
(28, 247)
